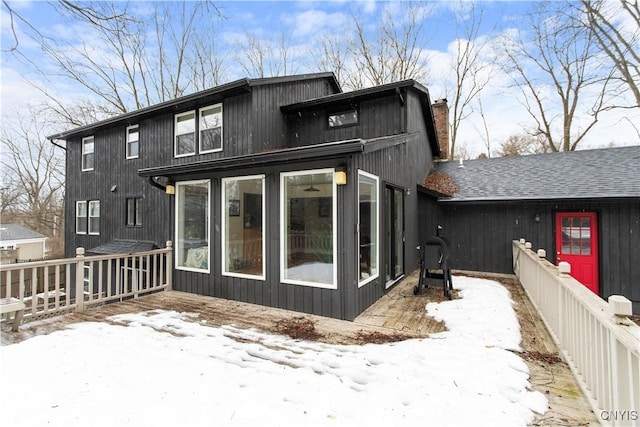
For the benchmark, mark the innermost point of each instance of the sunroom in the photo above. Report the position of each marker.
(293, 228)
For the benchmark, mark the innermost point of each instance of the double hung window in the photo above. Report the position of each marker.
(87, 153)
(88, 217)
(133, 137)
(207, 138)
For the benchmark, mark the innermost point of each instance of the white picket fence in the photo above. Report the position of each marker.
(601, 347)
(58, 286)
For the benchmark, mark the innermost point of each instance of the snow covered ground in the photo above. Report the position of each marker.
(165, 368)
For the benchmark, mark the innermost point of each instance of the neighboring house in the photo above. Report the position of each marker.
(288, 192)
(582, 207)
(20, 244)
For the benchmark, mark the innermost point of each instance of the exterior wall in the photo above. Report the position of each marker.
(376, 117)
(28, 251)
(481, 236)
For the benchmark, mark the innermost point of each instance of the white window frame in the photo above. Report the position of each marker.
(200, 128)
(283, 231)
(377, 255)
(224, 213)
(89, 230)
(176, 134)
(129, 142)
(85, 142)
(177, 228)
(86, 216)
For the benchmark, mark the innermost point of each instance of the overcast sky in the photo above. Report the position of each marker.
(302, 22)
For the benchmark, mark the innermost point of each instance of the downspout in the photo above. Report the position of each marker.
(53, 141)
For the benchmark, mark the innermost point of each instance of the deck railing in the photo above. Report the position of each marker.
(74, 284)
(601, 347)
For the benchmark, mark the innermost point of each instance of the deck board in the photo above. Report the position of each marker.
(397, 312)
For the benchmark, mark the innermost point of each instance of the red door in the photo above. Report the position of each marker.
(577, 244)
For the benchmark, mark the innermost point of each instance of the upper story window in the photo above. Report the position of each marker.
(211, 128)
(343, 118)
(87, 153)
(207, 139)
(133, 137)
(185, 128)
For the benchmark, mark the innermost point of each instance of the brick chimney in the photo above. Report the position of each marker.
(440, 110)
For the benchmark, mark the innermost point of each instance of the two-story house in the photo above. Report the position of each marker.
(284, 191)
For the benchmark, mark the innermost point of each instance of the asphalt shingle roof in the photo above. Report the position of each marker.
(10, 232)
(589, 174)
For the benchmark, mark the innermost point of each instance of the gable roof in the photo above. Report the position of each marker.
(10, 232)
(214, 94)
(610, 173)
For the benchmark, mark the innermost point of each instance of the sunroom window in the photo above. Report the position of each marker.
(192, 230)
(368, 226)
(211, 128)
(308, 228)
(242, 226)
(87, 153)
(185, 130)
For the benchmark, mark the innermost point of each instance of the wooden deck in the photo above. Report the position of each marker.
(397, 315)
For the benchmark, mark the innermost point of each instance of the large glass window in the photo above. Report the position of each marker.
(211, 128)
(185, 130)
(192, 230)
(308, 228)
(242, 226)
(81, 217)
(133, 136)
(94, 217)
(87, 153)
(368, 226)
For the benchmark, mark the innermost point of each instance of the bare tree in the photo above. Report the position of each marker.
(557, 64)
(34, 192)
(522, 145)
(471, 73)
(125, 62)
(330, 54)
(616, 28)
(265, 58)
(395, 52)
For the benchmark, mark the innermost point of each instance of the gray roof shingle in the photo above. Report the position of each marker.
(10, 232)
(608, 173)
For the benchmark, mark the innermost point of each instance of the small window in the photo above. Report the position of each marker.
(343, 118)
(185, 129)
(87, 153)
(132, 141)
(211, 128)
(94, 217)
(134, 212)
(81, 217)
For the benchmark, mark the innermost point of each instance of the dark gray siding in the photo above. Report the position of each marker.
(481, 236)
(376, 117)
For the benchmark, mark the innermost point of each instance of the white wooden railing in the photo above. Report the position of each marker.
(601, 346)
(74, 284)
